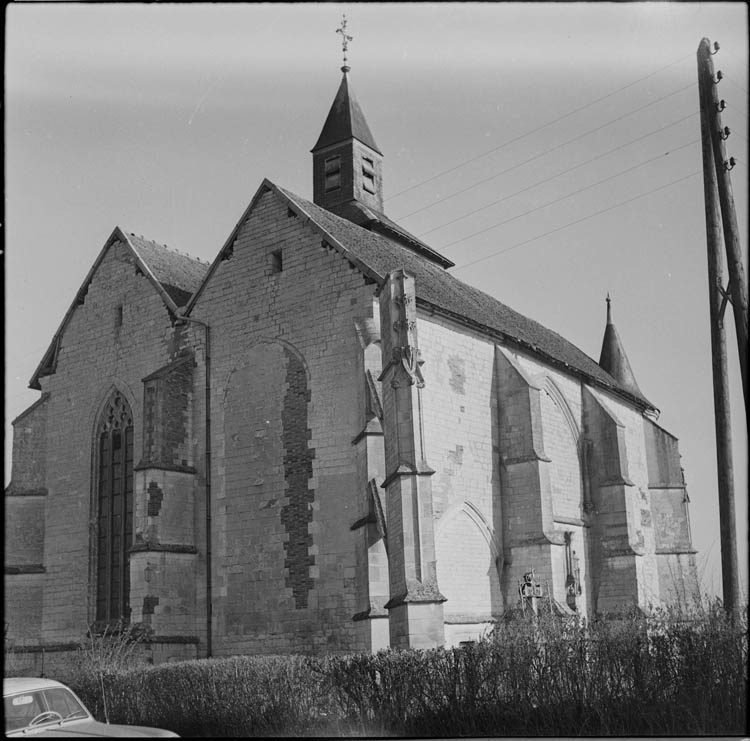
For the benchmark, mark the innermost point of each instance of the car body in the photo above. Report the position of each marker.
(44, 707)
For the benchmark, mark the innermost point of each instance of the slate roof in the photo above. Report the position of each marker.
(179, 274)
(377, 255)
(345, 121)
(613, 358)
(377, 221)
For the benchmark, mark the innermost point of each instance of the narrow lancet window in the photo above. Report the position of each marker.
(114, 511)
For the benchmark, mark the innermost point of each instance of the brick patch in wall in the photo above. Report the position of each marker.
(155, 497)
(456, 457)
(298, 457)
(456, 366)
(149, 603)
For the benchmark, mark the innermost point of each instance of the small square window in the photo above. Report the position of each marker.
(276, 262)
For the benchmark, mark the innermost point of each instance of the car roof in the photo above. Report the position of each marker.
(11, 685)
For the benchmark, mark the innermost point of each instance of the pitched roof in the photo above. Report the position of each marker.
(376, 255)
(377, 221)
(174, 276)
(613, 358)
(345, 121)
(179, 274)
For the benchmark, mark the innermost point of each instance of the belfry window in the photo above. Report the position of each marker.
(332, 169)
(368, 174)
(114, 511)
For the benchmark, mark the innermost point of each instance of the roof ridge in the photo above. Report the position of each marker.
(173, 250)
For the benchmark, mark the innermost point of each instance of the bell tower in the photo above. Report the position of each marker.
(347, 164)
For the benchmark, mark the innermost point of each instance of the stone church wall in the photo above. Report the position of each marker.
(284, 413)
(95, 356)
(678, 577)
(533, 468)
(460, 420)
(24, 526)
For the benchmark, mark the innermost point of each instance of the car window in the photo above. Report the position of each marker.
(62, 701)
(20, 709)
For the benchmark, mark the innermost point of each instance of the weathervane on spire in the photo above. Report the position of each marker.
(345, 39)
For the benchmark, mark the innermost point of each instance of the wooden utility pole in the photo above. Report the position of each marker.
(736, 290)
(717, 303)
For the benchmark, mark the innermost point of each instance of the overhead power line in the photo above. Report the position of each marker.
(569, 195)
(557, 175)
(572, 223)
(539, 128)
(736, 84)
(548, 151)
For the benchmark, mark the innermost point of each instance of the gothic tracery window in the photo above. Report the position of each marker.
(114, 510)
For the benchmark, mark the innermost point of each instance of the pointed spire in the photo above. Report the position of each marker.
(347, 164)
(345, 121)
(613, 358)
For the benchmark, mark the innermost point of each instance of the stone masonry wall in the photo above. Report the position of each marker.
(95, 356)
(286, 405)
(28, 473)
(559, 478)
(637, 500)
(461, 437)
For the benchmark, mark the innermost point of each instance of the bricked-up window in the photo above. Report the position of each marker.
(368, 174)
(114, 511)
(332, 171)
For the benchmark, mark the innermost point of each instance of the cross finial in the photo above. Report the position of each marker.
(345, 39)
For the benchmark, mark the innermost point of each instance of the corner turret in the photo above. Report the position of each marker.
(613, 358)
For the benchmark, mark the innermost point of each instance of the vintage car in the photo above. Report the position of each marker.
(44, 707)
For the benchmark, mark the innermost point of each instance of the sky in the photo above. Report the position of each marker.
(552, 151)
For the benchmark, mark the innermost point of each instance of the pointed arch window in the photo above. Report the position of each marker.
(114, 510)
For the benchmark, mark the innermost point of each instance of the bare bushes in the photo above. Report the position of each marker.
(666, 674)
(633, 675)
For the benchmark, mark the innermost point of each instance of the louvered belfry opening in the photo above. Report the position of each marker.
(114, 511)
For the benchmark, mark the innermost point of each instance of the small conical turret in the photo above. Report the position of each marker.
(613, 358)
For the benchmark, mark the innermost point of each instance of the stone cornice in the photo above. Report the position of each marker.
(403, 470)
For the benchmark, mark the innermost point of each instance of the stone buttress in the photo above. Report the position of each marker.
(415, 604)
(164, 557)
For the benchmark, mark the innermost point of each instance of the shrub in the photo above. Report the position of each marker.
(218, 697)
(664, 674)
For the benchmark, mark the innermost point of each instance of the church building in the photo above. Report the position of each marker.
(323, 441)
